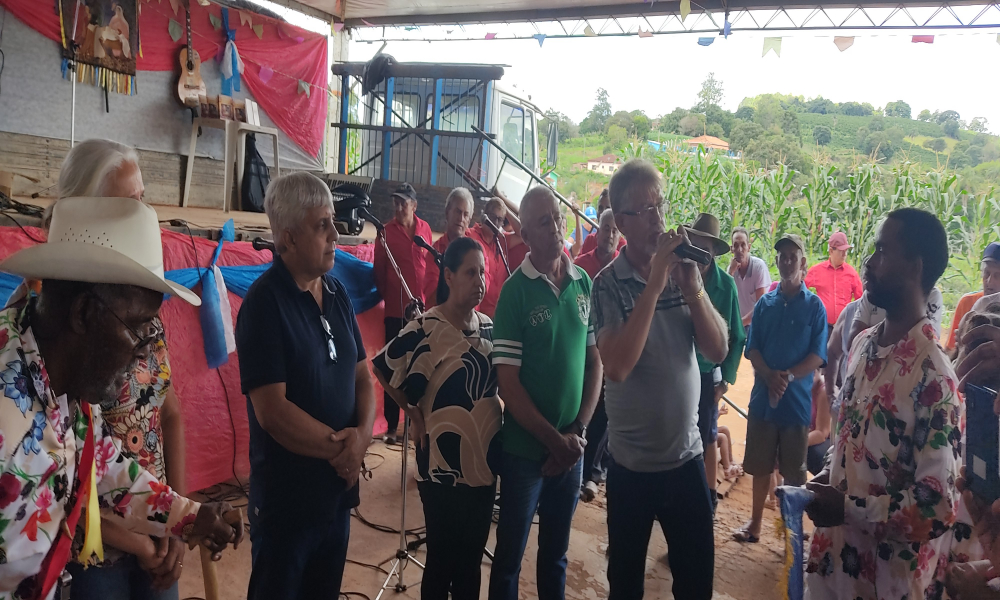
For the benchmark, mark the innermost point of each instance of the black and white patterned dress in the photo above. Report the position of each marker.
(449, 375)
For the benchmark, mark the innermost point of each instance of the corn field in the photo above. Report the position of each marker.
(772, 202)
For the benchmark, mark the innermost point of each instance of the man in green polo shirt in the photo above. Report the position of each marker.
(716, 377)
(549, 372)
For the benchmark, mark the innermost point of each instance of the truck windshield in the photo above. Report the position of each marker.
(512, 129)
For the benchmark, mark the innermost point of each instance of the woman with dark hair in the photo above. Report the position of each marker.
(439, 369)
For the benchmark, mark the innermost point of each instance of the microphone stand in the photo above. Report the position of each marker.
(499, 236)
(414, 307)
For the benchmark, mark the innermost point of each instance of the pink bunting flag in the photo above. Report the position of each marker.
(843, 42)
(923, 39)
(367, 23)
(338, 26)
(645, 34)
(490, 36)
(266, 73)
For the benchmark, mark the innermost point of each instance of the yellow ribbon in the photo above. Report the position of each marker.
(92, 543)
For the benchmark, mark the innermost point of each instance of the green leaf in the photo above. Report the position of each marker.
(133, 470)
(939, 440)
(880, 420)
(906, 555)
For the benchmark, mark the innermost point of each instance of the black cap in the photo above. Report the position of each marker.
(992, 252)
(406, 191)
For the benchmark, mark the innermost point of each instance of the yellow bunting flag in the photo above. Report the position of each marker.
(589, 31)
(92, 543)
(259, 30)
(685, 9)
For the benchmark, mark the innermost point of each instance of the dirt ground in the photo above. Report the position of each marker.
(742, 571)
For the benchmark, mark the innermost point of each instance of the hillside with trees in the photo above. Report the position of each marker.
(809, 166)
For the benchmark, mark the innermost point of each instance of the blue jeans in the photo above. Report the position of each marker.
(523, 490)
(301, 560)
(124, 580)
(679, 499)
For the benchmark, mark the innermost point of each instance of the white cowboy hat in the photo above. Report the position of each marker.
(100, 240)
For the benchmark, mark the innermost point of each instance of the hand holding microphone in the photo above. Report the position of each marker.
(675, 256)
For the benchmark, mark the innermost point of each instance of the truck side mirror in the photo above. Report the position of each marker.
(552, 147)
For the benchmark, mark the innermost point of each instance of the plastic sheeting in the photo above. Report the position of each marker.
(213, 407)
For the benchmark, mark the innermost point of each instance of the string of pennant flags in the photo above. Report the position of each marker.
(266, 72)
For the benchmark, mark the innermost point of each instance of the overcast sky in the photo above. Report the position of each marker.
(656, 74)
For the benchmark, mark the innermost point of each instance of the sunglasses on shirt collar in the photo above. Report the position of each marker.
(330, 346)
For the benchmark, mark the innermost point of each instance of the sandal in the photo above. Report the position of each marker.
(743, 536)
(733, 472)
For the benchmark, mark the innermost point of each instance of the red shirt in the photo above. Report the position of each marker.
(589, 262)
(836, 287)
(590, 242)
(410, 258)
(432, 272)
(496, 272)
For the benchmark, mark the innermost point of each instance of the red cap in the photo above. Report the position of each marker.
(838, 241)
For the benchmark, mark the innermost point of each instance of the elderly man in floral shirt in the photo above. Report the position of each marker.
(61, 353)
(886, 507)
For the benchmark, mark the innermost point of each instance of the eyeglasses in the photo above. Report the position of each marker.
(154, 328)
(656, 210)
(330, 346)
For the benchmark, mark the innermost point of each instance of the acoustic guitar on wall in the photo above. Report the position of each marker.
(191, 84)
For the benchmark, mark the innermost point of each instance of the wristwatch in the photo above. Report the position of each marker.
(581, 427)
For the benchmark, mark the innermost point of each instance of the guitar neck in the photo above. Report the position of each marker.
(187, 19)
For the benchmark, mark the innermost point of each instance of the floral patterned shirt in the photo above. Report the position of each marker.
(897, 458)
(41, 442)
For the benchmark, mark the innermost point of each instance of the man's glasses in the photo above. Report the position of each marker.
(330, 346)
(154, 328)
(656, 210)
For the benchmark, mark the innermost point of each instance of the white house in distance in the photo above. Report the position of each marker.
(606, 165)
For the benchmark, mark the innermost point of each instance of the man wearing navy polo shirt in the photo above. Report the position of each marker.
(786, 344)
(310, 400)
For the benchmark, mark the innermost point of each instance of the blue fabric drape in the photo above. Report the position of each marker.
(356, 275)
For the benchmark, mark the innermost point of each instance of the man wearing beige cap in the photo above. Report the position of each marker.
(834, 281)
(64, 351)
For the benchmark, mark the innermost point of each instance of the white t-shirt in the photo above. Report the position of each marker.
(746, 287)
(871, 315)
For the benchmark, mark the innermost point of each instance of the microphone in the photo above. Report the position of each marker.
(365, 214)
(493, 226)
(260, 243)
(420, 241)
(694, 253)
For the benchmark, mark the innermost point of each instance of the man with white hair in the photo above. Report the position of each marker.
(496, 212)
(458, 209)
(550, 377)
(311, 402)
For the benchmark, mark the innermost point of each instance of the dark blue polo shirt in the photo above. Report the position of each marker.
(280, 339)
(785, 331)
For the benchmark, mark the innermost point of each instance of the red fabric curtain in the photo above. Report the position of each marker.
(292, 53)
(214, 409)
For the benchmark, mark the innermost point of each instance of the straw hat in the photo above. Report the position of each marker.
(707, 227)
(100, 240)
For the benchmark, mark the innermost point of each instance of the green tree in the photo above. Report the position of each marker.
(822, 135)
(745, 113)
(723, 118)
(716, 130)
(821, 105)
(772, 150)
(925, 115)
(856, 110)
(598, 116)
(879, 146)
(945, 116)
(617, 136)
(641, 124)
(978, 125)
(950, 128)
(769, 112)
(790, 124)
(897, 109)
(877, 123)
(936, 144)
(743, 133)
(710, 94)
(693, 125)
